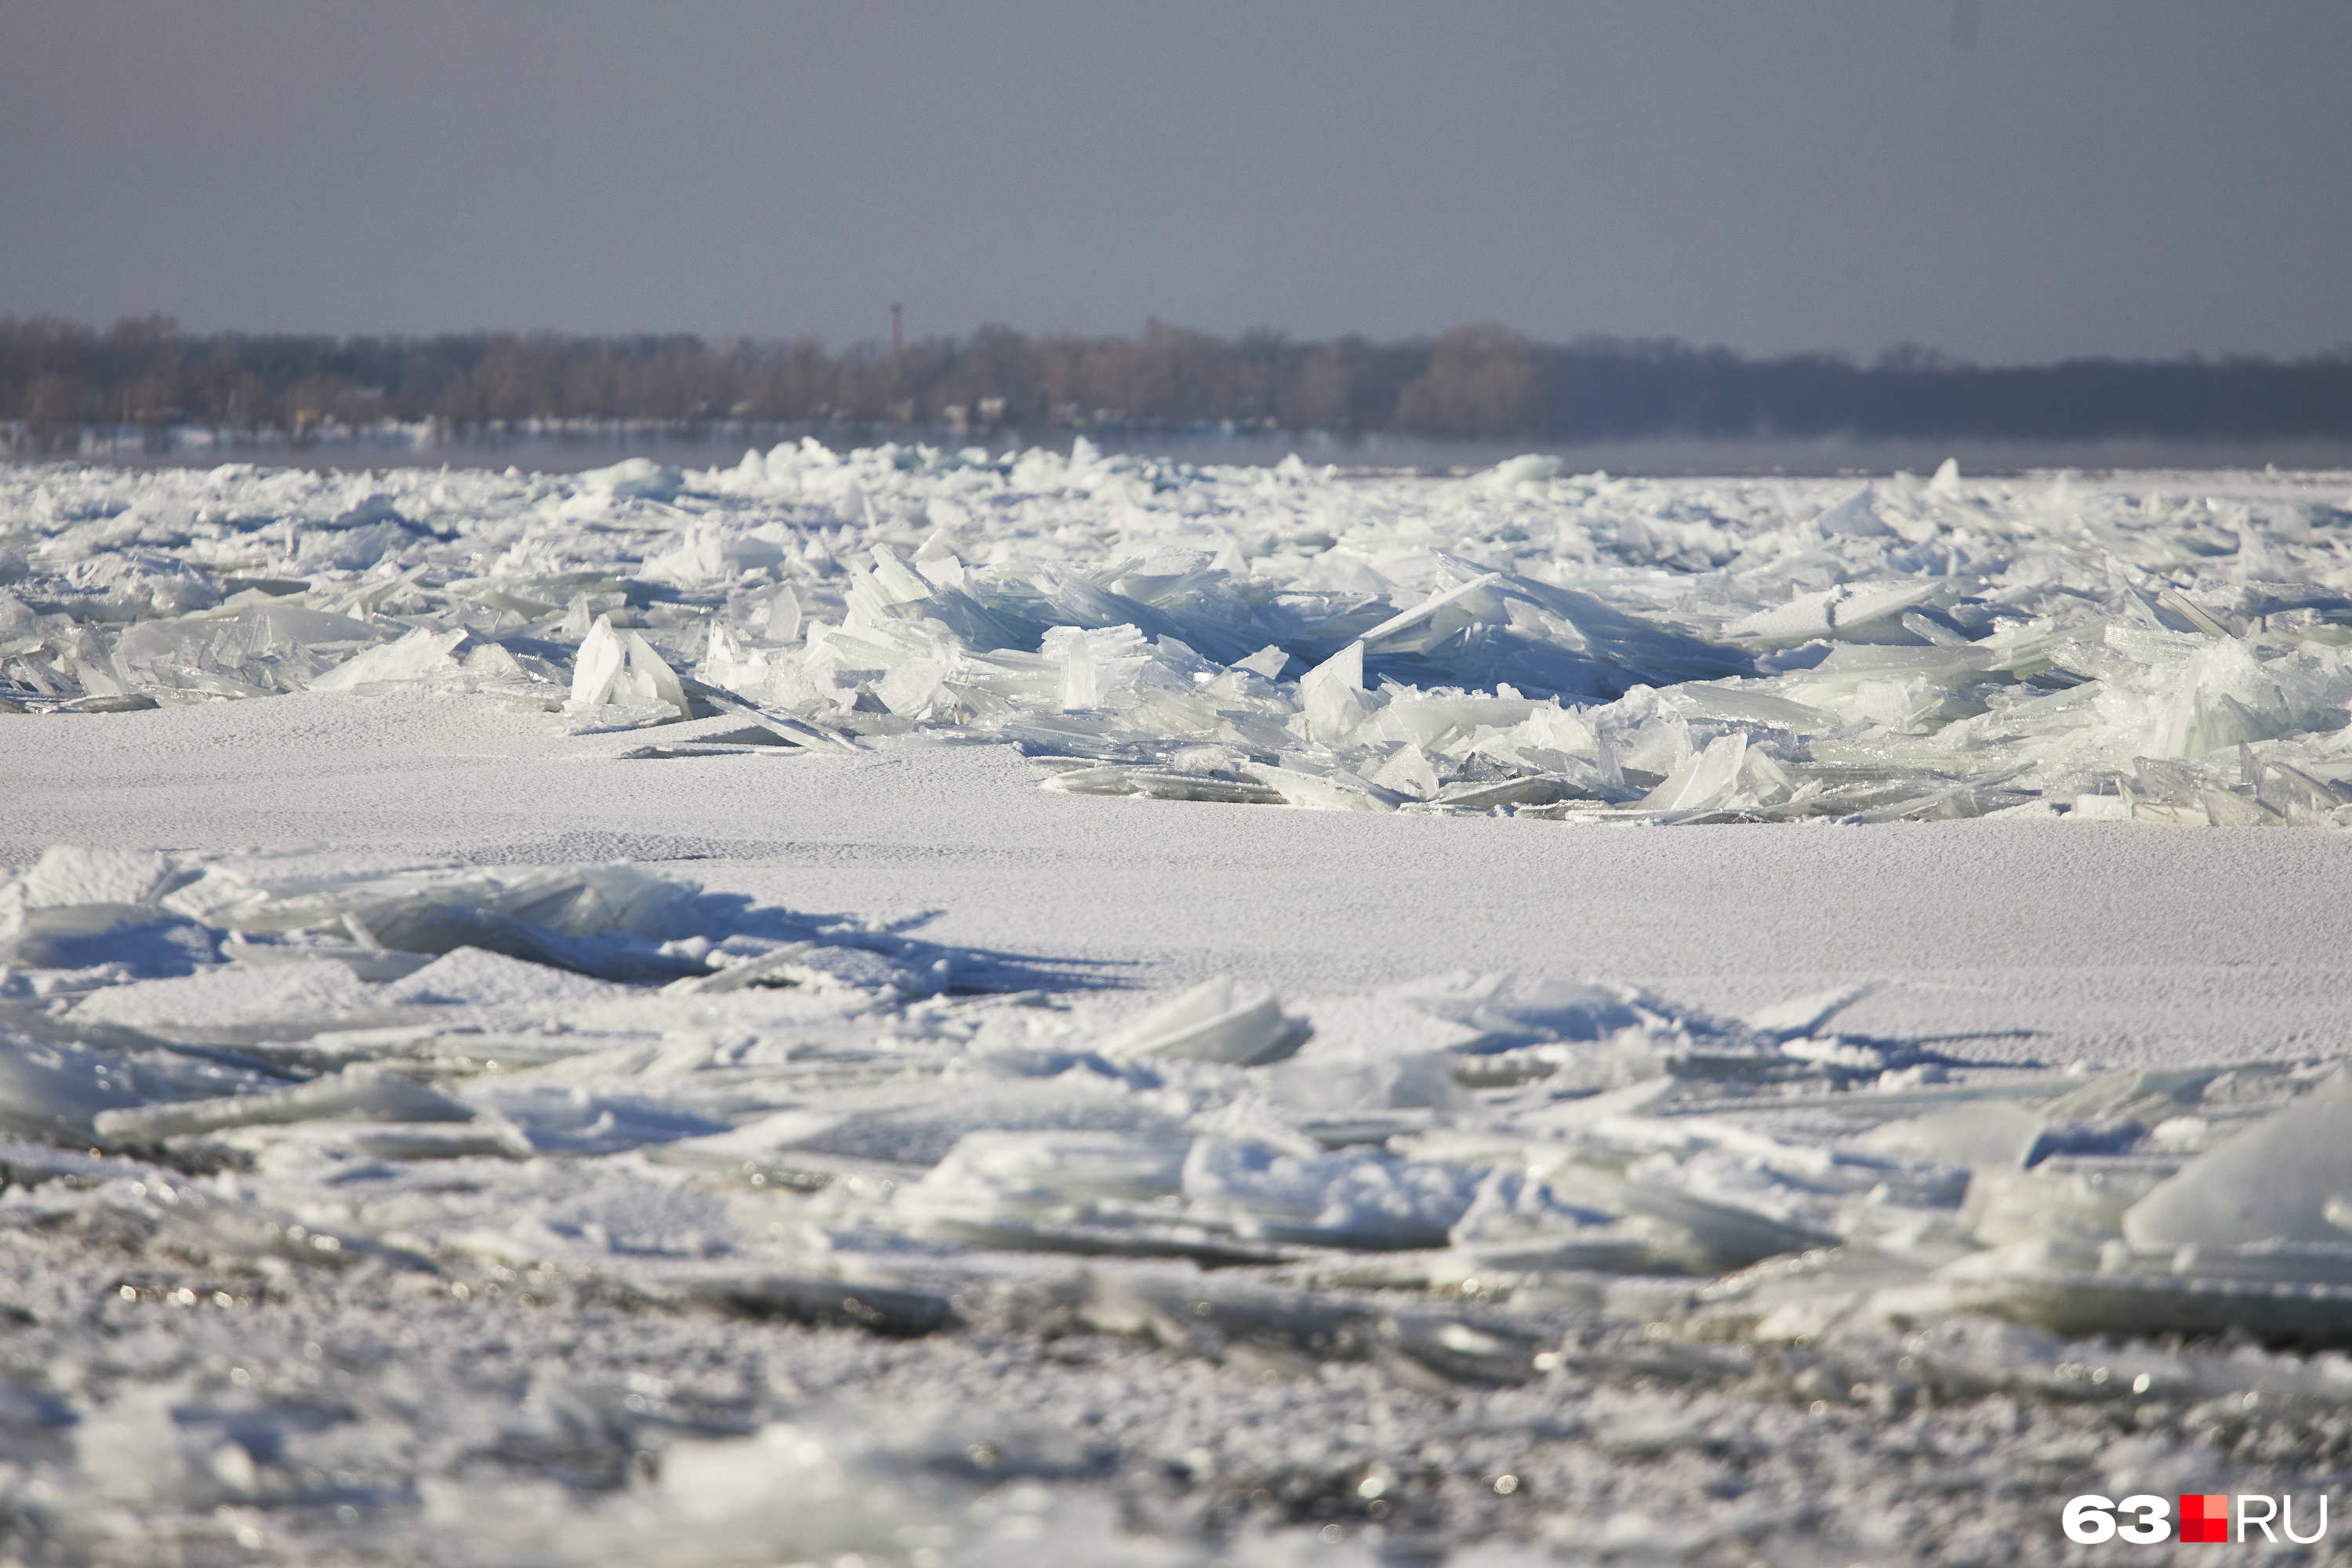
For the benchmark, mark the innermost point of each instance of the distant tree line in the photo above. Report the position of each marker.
(59, 378)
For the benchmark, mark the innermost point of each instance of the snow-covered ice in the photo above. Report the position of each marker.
(609, 1055)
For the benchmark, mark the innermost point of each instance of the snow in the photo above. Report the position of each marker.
(613, 922)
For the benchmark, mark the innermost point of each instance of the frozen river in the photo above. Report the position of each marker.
(895, 1008)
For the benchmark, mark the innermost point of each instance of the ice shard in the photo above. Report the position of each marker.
(2284, 1179)
(1216, 1021)
(621, 668)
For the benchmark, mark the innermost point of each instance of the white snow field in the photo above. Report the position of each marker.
(915, 1008)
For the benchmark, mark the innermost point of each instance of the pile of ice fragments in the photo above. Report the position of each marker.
(805, 1100)
(2166, 649)
(590, 1081)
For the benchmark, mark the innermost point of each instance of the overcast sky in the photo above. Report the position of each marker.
(2010, 180)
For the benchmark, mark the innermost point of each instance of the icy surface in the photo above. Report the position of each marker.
(555, 1199)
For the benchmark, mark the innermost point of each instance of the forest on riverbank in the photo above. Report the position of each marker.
(1478, 383)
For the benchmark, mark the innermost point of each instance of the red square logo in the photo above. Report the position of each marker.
(2204, 1516)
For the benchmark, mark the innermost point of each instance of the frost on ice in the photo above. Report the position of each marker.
(1518, 641)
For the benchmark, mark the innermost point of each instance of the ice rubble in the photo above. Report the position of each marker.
(907, 1113)
(2160, 648)
(605, 1081)
(448, 1075)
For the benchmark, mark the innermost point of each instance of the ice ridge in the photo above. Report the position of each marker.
(1520, 641)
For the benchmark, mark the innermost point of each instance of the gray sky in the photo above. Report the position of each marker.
(2018, 179)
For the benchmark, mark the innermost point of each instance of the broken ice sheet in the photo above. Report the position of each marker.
(594, 920)
(1524, 641)
(1468, 1182)
(1487, 1126)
